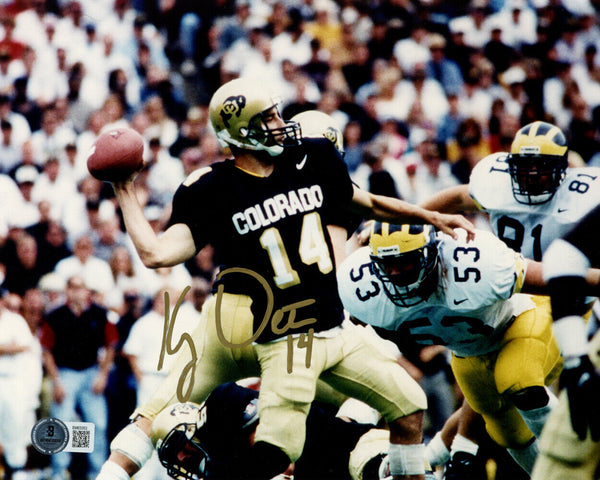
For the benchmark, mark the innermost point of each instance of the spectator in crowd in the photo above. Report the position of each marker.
(52, 137)
(380, 173)
(54, 187)
(412, 50)
(108, 237)
(161, 173)
(496, 51)
(95, 271)
(79, 342)
(192, 159)
(445, 71)
(52, 287)
(583, 132)
(293, 43)
(473, 101)
(353, 145)
(357, 72)
(161, 125)
(20, 385)
(515, 98)
(470, 146)
(126, 279)
(432, 172)
(9, 44)
(10, 153)
(52, 245)
(325, 27)
(517, 21)
(77, 219)
(586, 74)
(28, 213)
(421, 100)
(23, 271)
(191, 131)
(473, 24)
(21, 130)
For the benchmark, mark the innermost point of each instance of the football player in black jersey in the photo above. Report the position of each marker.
(276, 312)
(570, 442)
(204, 441)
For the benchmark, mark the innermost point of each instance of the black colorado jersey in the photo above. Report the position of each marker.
(226, 431)
(269, 233)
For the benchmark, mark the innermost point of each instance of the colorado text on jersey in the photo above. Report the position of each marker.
(278, 207)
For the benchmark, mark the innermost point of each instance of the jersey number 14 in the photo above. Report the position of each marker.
(312, 249)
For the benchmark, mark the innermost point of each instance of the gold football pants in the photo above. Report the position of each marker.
(528, 356)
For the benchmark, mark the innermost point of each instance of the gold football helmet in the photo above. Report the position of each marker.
(537, 162)
(405, 260)
(237, 112)
(315, 124)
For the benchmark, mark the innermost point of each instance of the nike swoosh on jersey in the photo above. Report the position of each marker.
(560, 210)
(300, 165)
(458, 302)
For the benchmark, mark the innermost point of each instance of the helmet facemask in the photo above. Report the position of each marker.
(535, 178)
(272, 140)
(537, 163)
(408, 275)
(183, 457)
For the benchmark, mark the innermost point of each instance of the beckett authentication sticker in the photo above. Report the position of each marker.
(49, 436)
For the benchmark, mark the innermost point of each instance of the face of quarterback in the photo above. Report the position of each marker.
(273, 123)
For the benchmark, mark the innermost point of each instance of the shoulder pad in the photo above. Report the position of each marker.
(195, 175)
(489, 184)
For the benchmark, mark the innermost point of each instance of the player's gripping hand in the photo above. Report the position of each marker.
(582, 381)
(447, 223)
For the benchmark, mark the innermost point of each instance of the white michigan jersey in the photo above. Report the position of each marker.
(529, 229)
(469, 310)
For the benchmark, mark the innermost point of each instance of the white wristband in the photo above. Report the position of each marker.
(407, 459)
(570, 333)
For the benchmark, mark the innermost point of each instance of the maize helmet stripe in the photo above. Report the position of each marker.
(540, 138)
(390, 239)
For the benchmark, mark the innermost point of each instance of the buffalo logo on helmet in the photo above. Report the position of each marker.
(232, 106)
(183, 409)
(331, 134)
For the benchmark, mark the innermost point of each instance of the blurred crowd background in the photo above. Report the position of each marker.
(422, 90)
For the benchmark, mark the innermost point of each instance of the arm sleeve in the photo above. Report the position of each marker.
(111, 335)
(47, 337)
(339, 187)
(191, 207)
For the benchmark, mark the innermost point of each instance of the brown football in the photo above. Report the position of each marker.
(116, 154)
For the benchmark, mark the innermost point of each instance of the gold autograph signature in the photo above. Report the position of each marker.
(281, 320)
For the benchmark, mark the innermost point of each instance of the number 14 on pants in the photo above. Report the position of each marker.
(305, 340)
